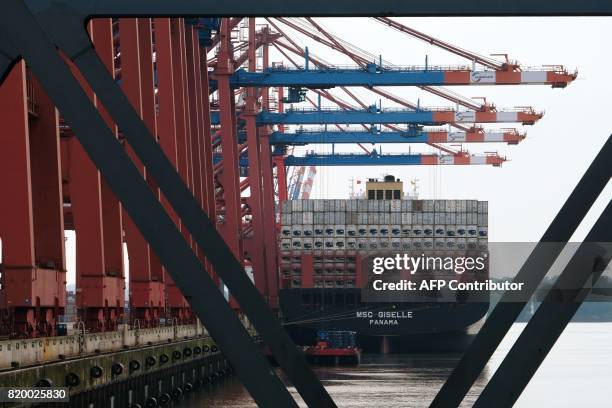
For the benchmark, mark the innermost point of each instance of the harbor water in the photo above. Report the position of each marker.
(577, 373)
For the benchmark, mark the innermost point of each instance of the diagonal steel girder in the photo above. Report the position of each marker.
(30, 38)
(551, 318)
(325, 8)
(531, 274)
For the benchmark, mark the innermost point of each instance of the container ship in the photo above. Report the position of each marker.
(326, 247)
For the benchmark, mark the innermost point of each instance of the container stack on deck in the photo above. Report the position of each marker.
(329, 236)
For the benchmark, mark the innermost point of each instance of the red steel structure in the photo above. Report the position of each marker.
(163, 65)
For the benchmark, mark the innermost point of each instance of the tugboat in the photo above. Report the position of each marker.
(334, 347)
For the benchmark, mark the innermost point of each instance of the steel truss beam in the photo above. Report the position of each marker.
(66, 29)
(324, 8)
(531, 274)
(551, 318)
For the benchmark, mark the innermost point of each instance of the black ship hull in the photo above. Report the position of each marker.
(393, 327)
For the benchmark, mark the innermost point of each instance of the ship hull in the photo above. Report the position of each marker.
(393, 327)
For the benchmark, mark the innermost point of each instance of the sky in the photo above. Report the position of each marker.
(525, 193)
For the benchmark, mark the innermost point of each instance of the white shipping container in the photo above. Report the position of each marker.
(472, 218)
(362, 205)
(451, 243)
(395, 218)
(329, 243)
(286, 244)
(318, 205)
(406, 218)
(461, 218)
(472, 243)
(286, 207)
(439, 218)
(417, 243)
(351, 230)
(483, 232)
(417, 231)
(318, 242)
(339, 243)
(296, 218)
(406, 243)
(396, 244)
(362, 218)
(286, 231)
(308, 244)
(340, 218)
(460, 231)
(330, 230)
(439, 243)
(351, 243)
(362, 243)
(296, 231)
(318, 217)
(396, 206)
(473, 206)
(428, 243)
(373, 218)
(472, 230)
(362, 230)
(319, 230)
(285, 219)
(384, 243)
(307, 230)
(428, 205)
(481, 206)
(428, 230)
(340, 230)
(439, 206)
(440, 230)
(406, 205)
(483, 244)
(461, 243)
(396, 230)
(330, 217)
(373, 230)
(352, 217)
(307, 217)
(373, 244)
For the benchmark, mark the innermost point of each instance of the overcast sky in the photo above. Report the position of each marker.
(525, 194)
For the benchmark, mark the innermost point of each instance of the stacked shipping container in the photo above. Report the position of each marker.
(334, 232)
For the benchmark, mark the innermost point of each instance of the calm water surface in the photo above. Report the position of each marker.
(577, 373)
